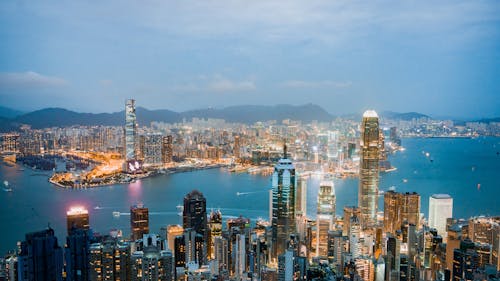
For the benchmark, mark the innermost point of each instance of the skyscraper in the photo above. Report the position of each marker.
(109, 260)
(440, 208)
(283, 215)
(130, 130)
(41, 258)
(77, 254)
(369, 168)
(167, 149)
(301, 196)
(194, 215)
(77, 218)
(139, 221)
(325, 216)
(399, 208)
(215, 228)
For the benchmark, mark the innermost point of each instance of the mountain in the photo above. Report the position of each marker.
(60, 117)
(253, 113)
(407, 116)
(8, 113)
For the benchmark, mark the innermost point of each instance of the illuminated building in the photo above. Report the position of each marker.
(283, 216)
(354, 238)
(40, 258)
(325, 216)
(486, 230)
(150, 260)
(369, 168)
(239, 253)
(440, 208)
(215, 228)
(400, 208)
(172, 232)
(167, 149)
(221, 251)
(152, 149)
(109, 260)
(465, 261)
(139, 221)
(9, 143)
(236, 149)
(336, 247)
(77, 218)
(194, 247)
(301, 197)
(194, 215)
(286, 266)
(130, 130)
(349, 211)
(365, 268)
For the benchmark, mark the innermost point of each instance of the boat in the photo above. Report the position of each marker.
(6, 186)
(116, 214)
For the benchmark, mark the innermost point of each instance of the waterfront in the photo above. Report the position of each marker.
(457, 167)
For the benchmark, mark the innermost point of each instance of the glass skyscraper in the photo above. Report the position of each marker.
(130, 130)
(283, 209)
(325, 215)
(369, 168)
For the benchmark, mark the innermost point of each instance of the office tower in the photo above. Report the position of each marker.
(239, 253)
(365, 268)
(400, 208)
(236, 148)
(336, 247)
(221, 250)
(325, 216)
(130, 130)
(215, 229)
(194, 247)
(9, 143)
(152, 149)
(440, 208)
(285, 266)
(486, 230)
(109, 260)
(167, 149)
(40, 258)
(393, 254)
(465, 261)
(283, 217)
(369, 168)
(172, 232)
(139, 221)
(194, 215)
(354, 237)
(349, 212)
(301, 197)
(77, 218)
(179, 251)
(150, 260)
(380, 269)
(76, 254)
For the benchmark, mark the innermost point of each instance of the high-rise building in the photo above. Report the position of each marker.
(150, 260)
(349, 211)
(465, 261)
(77, 218)
(139, 221)
(215, 228)
(40, 258)
(109, 260)
(301, 196)
(400, 208)
(440, 208)
(369, 168)
(152, 149)
(236, 148)
(286, 266)
(130, 130)
(77, 254)
(239, 252)
(167, 149)
(283, 216)
(172, 232)
(325, 216)
(354, 238)
(194, 214)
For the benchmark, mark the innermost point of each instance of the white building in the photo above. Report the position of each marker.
(440, 208)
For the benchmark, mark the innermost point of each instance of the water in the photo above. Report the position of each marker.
(458, 166)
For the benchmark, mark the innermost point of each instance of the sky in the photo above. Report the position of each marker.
(435, 57)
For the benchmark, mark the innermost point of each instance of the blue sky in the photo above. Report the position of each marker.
(440, 57)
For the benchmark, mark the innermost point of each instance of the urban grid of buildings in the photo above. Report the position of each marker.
(362, 242)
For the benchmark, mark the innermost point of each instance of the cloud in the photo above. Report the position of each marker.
(299, 84)
(215, 84)
(30, 79)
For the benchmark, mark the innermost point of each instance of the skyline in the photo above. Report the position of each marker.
(439, 59)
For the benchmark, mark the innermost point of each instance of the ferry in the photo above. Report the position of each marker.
(6, 186)
(116, 214)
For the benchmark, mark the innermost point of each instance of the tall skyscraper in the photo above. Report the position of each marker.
(215, 228)
(41, 258)
(173, 231)
(77, 218)
(77, 254)
(139, 221)
(130, 130)
(150, 260)
(167, 149)
(400, 208)
(369, 168)
(440, 208)
(194, 215)
(349, 211)
(109, 260)
(301, 196)
(283, 216)
(325, 216)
